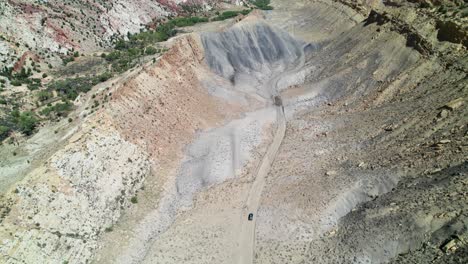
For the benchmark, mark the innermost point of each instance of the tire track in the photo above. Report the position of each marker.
(246, 245)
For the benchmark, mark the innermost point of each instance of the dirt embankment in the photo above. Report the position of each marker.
(61, 209)
(163, 107)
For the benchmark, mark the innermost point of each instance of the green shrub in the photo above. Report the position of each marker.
(59, 109)
(263, 4)
(115, 55)
(150, 50)
(34, 86)
(62, 109)
(103, 77)
(230, 14)
(16, 83)
(6, 72)
(127, 52)
(26, 121)
(4, 132)
(67, 60)
(44, 95)
(187, 21)
(70, 88)
(23, 74)
(46, 111)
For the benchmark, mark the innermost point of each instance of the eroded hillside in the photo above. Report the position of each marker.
(341, 126)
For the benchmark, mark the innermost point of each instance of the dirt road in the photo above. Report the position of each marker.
(245, 252)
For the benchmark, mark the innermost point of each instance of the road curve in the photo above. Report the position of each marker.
(245, 252)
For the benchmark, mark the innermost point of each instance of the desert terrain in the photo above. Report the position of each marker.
(341, 126)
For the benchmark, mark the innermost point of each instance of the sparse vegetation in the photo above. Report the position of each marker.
(150, 50)
(4, 131)
(230, 14)
(191, 8)
(262, 4)
(70, 88)
(19, 78)
(128, 51)
(57, 110)
(44, 95)
(24, 122)
(187, 21)
(67, 60)
(55, 100)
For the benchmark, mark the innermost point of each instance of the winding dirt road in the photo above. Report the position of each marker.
(246, 246)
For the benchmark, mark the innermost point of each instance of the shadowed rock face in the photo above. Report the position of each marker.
(249, 49)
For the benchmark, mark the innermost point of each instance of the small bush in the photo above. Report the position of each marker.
(230, 14)
(187, 21)
(134, 200)
(44, 95)
(4, 132)
(16, 83)
(26, 122)
(115, 55)
(34, 86)
(67, 60)
(70, 88)
(150, 50)
(263, 4)
(58, 110)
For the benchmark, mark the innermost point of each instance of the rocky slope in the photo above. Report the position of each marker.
(106, 158)
(376, 118)
(50, 28)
